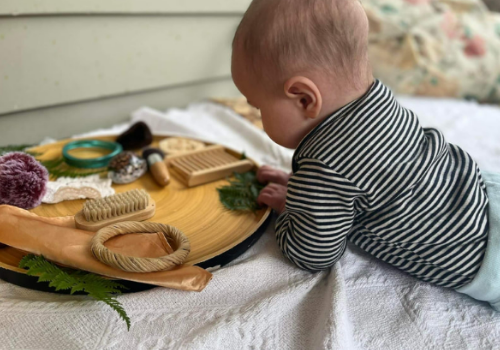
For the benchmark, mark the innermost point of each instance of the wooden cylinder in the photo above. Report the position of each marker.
(160, 173)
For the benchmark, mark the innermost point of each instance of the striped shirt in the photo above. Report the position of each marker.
(370, 174)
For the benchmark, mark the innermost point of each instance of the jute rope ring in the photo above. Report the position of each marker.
(180, 245)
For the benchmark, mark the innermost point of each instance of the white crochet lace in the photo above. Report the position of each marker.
(66, 189)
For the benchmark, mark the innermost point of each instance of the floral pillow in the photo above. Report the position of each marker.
(436, 47)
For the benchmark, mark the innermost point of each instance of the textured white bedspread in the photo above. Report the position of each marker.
(260, 301)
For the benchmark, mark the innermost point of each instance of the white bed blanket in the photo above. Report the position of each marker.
(260, 301)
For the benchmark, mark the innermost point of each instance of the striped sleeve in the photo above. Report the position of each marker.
(370, 174)
(312, 231)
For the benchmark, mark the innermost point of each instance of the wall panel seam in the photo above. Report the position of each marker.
(124, 14)
(131, 93)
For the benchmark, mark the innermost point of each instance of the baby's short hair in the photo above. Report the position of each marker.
(282, 37)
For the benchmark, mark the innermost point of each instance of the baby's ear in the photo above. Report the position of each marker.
(305, 95)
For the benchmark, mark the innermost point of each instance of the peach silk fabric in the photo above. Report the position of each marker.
(58, 240)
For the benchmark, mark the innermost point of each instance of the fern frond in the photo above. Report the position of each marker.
(242, 192)
(96, 283)
(58, 168)
(96, 287)
(113, 303)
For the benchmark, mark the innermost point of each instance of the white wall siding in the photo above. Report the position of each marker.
(47, 61)
(66, 120)
(24, 7)
(59, 58)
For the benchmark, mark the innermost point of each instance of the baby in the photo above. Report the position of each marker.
(364, 170)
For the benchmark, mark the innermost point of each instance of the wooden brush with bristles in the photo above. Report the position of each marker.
(135, 205)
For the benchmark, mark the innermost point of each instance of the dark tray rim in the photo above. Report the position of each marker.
(31, 282)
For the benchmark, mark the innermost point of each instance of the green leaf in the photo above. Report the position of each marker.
(96, 287)
(58, 168)
(254, 191)
(242, 193)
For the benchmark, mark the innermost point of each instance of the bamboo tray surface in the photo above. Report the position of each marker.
(211, 229)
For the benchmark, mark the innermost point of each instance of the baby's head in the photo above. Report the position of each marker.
(300, 60)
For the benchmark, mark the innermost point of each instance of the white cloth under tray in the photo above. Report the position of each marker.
(260, 301)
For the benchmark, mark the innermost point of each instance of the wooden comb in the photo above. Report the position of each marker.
(206, 165)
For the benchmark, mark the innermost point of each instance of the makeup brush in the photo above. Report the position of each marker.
(157, 165)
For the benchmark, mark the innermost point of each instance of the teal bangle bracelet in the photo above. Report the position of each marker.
(91, 163)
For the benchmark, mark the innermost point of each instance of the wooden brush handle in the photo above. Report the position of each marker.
(160, 173)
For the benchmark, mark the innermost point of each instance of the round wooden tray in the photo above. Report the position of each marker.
(217, 235)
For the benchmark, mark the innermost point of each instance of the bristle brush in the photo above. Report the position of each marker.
(135, 205)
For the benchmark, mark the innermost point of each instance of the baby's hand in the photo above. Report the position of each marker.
(274, 196)
(267, 174)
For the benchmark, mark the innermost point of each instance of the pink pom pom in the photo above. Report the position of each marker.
(23, 180)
